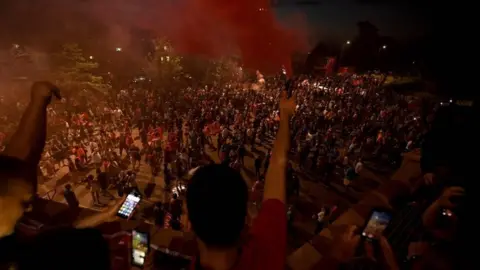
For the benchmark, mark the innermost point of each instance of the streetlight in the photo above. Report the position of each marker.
(348, 42)
(118, 49)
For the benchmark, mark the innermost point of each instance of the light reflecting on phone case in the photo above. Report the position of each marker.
(377, 224)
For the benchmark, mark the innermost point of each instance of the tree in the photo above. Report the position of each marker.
(224, 70)
(165, 65)
(74, 72)
(20, 62)
(212, 71)
(364, 51)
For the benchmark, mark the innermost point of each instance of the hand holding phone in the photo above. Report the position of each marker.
(129, 205)
(345, 244)
(376, 224)
(451, 197)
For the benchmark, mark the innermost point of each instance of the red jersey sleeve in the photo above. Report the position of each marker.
(269, 233)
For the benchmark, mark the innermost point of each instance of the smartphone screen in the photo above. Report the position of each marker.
(377, 223)
(140, 247)
(128, 205)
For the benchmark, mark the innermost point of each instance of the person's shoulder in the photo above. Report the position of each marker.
(272, 206)
(89, 233)
(66, 245)
(8, 247)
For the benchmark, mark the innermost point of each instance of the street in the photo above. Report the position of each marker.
(313, 193)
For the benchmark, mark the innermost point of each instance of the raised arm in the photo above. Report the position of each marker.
(275, 180)
(29, 140)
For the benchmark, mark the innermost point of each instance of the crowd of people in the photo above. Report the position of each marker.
(339, 120)
(329, 122)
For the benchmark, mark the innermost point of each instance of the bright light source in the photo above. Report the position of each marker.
(348, 42)
(168, 58)
(165, 47)
(118, 49)
(451, 101)
(91, 57)
(384, 46)
(16, 46)
(161, 58)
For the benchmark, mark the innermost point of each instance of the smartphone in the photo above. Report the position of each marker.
(377, 223)
(140, 247)
(447, 212)
(129, 205)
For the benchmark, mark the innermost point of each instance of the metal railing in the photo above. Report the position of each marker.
(49, 195)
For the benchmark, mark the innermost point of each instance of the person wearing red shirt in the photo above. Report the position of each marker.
(81, 154)
(217, 199)
(129, 140)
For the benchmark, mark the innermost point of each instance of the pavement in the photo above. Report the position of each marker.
(313, 193)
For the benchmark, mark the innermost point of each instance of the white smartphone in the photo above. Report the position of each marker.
(129, 205)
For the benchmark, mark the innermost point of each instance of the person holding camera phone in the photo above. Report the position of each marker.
(217, 199)
(55, 248)
(444, 205)
(345, 246)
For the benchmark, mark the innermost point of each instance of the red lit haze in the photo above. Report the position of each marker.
(212, 28)
(216, 27)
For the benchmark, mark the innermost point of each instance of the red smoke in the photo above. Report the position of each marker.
(213, 28)
(216, 27)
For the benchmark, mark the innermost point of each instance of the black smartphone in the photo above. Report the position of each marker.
(377, 223)
(447, 212)
(140, 247)
(129, 205)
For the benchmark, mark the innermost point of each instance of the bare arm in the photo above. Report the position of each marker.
(107, 216)
(429, 217)
(95, 220)
(275, 181)
(29, 140)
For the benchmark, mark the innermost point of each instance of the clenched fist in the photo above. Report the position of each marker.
(43, 92)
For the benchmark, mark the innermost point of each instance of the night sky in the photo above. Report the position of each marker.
(337, 18)
(451, 25)
(321, 19)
